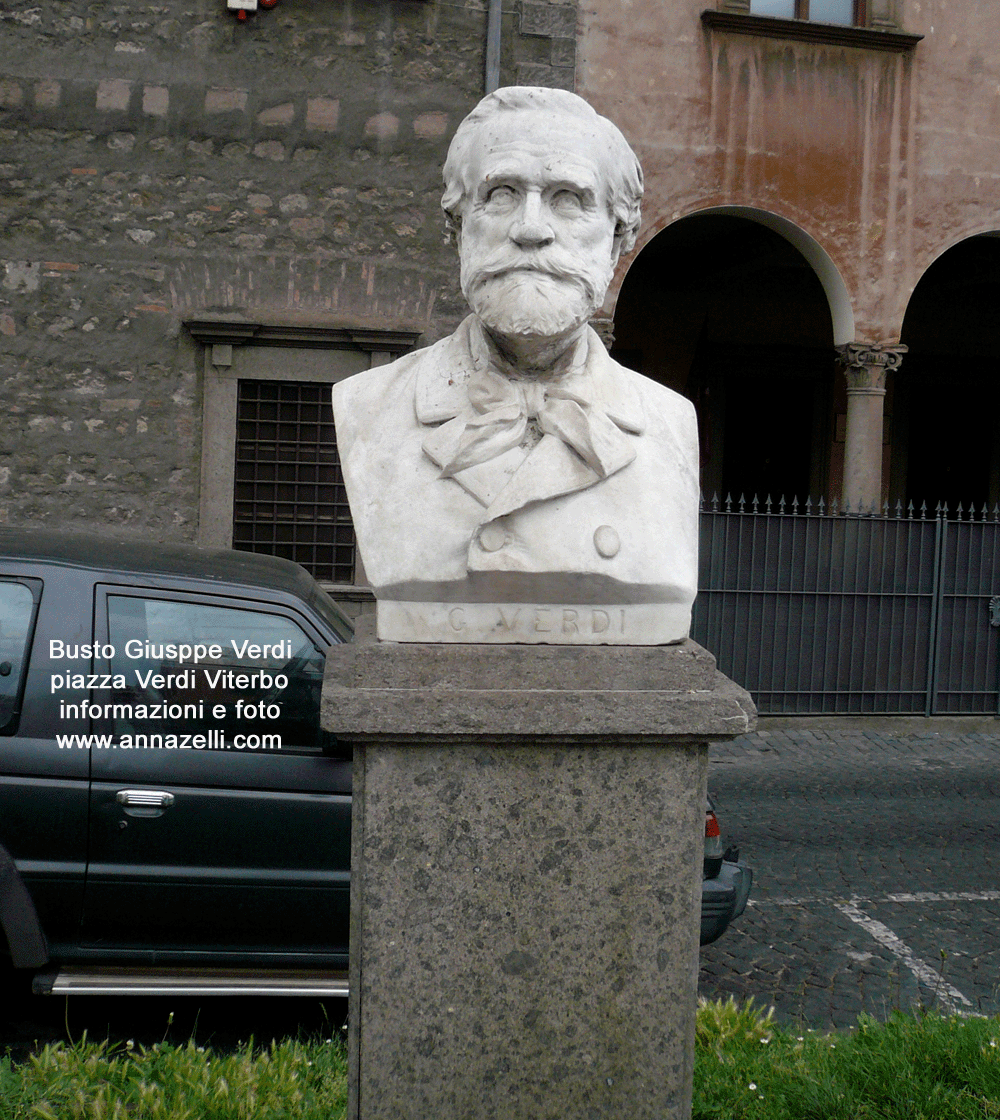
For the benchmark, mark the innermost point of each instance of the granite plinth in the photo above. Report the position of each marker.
(526, 876)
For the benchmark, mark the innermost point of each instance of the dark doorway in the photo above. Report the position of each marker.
(729, 313)
(946, 446)
(767, 445)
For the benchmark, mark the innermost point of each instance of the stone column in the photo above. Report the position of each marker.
(865, 366)
(526, 867)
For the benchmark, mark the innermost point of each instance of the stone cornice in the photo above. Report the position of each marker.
(866, 364)
(232, 331)
(867, 38)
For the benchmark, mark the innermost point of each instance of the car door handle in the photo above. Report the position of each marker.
(149, 799)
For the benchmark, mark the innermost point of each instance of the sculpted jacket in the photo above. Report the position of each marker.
(594, 508)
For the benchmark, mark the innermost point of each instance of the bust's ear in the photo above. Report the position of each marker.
(453, 227)
(618, 242)
(624, 241)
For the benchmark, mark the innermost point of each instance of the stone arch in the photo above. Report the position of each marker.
(945, 445)
(740, 310)
(838, 297)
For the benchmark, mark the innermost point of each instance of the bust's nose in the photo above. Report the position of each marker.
(531, 228)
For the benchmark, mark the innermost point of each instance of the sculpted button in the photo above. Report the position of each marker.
(492, 537)
(606, 542)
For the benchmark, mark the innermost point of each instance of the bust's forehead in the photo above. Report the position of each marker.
(530, 136)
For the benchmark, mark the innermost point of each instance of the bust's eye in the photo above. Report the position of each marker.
(566, 201)
(501, 196)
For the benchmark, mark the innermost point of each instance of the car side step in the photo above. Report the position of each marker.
(82, 980)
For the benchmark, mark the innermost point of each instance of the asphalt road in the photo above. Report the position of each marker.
(876, 864)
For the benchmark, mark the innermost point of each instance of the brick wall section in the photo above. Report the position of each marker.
(161, 160)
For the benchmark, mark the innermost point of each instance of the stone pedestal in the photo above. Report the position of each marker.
(526, 875)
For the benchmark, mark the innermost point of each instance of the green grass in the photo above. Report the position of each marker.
(922, 1067)
(913, 1067)
(92, 1081)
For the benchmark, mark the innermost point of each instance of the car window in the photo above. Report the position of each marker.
(239, 679)
(17, 609)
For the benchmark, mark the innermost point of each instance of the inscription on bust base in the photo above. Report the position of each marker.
(533, 623)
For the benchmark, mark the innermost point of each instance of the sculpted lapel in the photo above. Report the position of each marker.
(521, 475)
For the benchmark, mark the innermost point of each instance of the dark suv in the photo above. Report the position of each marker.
(172, 817)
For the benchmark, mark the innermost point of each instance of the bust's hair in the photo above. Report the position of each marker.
(619, 164)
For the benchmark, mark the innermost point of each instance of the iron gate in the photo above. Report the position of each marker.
(821, 611)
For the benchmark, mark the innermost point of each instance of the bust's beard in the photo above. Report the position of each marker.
(532, 304)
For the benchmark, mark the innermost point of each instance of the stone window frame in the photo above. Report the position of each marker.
(877, 25)
(218, 336)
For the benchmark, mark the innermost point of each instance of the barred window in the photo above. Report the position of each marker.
(289, 495)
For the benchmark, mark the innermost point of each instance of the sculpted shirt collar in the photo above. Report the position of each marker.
(441, 392)
(520, 475)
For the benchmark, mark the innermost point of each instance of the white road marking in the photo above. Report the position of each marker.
(948, 995)
(920, 896)
(946, 896)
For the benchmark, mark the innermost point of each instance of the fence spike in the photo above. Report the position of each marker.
(899, 509)
(715, 501)
(729, 503)
(885, 508)
(996, 511)
(984, 511)
(795, 504)
(767, 504)
(743, 502)
(755, 503)
(808, 505)
(822, 505)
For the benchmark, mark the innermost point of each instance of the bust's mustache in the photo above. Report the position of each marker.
(542, 266)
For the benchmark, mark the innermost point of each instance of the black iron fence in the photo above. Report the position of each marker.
(816, 609)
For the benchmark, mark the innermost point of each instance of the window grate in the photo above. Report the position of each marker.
(289, 497)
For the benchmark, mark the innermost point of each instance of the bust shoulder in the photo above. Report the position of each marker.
(655, 392)
(444, 360)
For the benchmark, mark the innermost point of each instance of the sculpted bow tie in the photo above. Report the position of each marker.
(501, 409)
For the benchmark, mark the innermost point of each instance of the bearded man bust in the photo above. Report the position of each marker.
(512, 483)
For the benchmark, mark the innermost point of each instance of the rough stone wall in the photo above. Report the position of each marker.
(158, 160)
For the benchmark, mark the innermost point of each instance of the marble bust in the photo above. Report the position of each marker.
(513, 483)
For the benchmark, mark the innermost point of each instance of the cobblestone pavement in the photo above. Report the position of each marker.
(876, 862)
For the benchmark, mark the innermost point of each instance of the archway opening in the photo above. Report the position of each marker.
(946, 444)
(728, 312)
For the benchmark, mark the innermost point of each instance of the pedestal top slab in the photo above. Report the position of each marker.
(378, 690)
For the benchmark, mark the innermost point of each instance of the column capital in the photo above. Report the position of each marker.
(605, 328)
(866, 364)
